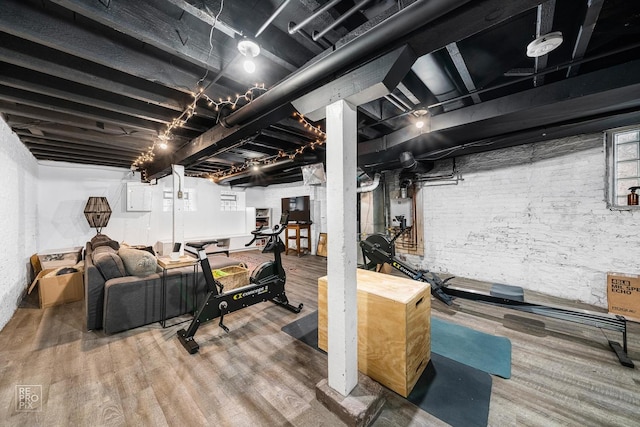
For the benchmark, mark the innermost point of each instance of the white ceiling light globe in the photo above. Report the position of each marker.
(249, 66)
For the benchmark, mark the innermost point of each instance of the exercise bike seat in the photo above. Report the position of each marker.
(201, 245)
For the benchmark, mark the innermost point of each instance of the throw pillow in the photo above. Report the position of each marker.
(138, 262)
(104, 240)
(108, 262)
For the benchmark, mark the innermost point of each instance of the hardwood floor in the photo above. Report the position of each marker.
(562, 373)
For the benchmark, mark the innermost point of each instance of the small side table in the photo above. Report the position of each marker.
(298, 236)
(166, 264)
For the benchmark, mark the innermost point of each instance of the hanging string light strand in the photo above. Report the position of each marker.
(189, 111)
(319, 141)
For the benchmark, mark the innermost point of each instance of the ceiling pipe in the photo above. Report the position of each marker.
(375, 42)
(341, 19)
(314, 15)
(307, 36)
(273, 16)
(410, 164)
(367, 188)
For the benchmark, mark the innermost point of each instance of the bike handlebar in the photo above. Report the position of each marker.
(279, 228)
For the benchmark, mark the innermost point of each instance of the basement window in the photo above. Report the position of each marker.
(623, 165)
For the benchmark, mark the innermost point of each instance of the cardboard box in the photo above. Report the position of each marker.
(56, 290)
(67, 257)
(623, 295)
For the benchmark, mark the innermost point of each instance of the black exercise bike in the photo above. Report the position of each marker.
(267, 284)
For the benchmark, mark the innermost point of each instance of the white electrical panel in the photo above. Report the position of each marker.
(139, 197)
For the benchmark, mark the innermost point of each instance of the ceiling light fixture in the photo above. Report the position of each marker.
(250, 50)
(544, 44)
(420, 114)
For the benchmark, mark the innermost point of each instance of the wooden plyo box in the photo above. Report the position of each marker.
(394, 328)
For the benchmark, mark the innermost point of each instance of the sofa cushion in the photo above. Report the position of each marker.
(108, 262)
(138, 262)
(104, 240)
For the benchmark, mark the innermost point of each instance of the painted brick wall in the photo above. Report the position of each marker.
(533, 216)
(18, 194)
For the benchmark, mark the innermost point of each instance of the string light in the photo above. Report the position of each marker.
(255, 164)
(190, 111)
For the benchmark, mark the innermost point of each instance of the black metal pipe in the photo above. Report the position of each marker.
(340, 20)
(369, 45)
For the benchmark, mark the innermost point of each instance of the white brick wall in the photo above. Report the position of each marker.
(533, 216)
(18, 194)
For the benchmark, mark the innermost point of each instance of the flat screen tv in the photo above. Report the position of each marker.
(298, 208)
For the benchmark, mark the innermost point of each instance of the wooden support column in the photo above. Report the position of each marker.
(342, 247)
(178, 205)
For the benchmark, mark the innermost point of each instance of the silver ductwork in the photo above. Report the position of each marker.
(370, 187)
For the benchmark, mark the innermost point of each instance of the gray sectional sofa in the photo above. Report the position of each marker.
(116, 300)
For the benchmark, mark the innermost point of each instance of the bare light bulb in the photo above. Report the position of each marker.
(420, 124)
(163, 145)
(249, 66)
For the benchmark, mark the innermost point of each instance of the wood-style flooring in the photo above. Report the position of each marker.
(256, 375)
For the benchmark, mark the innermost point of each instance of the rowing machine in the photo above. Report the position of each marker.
(379, 249)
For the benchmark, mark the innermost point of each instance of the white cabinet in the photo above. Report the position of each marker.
(139, 197)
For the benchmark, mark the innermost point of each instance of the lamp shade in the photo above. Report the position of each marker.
(97, 212)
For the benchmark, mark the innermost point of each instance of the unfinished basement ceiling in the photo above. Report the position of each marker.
(101, 81)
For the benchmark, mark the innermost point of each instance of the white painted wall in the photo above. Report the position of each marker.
(533, 216)
(270, 197)
(18, 211)
(64, 188)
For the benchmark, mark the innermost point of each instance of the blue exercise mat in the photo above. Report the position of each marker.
(449, 390)
(486, 352)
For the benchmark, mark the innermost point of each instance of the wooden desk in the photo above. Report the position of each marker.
(296, 234)
(394, 328)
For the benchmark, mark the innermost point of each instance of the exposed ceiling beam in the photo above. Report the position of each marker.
(365, 84)
(70, 91)
(29, 55)
(34, 24)
(69, 144)
(215, 140)
(598, 123)
(44, 117)
(585, 33)
(407, 92)
(582, 96)
(39, 152)
(205, 17)
(61, 131)
(461, 66)
(459, 24)
(544, 25)
(54, 104)
(69, 148)
(230, 32)
(144, 22)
